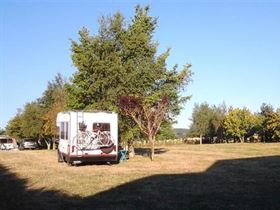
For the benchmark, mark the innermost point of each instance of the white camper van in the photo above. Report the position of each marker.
(87, 136)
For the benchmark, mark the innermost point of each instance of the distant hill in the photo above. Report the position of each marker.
(180, 132)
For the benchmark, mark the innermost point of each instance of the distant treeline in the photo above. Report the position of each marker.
(221, 124)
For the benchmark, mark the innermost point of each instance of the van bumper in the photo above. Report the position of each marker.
(93, 158)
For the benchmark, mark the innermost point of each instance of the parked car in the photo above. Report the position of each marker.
(6, 143)
(28, 143)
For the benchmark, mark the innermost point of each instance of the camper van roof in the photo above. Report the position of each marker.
(4, 137)
(93, 111)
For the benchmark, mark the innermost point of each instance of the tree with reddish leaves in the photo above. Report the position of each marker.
(162, 102)
(147, 116)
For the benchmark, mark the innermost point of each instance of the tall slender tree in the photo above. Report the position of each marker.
(266, 113)
(32, 121)
(201, 118)
(14, 126)
(2, 131)
(53, 101)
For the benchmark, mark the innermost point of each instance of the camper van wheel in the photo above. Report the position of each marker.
(59, 157)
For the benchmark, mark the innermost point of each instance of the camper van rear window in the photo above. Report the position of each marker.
(64, 130)
(4, 141)
(101, 127)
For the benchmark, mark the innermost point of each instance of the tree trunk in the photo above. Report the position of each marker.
(152, 142)
(242, 139)
(200, 139)
(131, 152)
(48, 144)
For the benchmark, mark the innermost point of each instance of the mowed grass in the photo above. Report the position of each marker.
(221, 176)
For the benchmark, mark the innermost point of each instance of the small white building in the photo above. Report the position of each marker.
(87, 136)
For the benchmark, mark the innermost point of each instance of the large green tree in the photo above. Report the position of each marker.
(121, 59)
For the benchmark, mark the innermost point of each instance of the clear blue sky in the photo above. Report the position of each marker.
(234, 47)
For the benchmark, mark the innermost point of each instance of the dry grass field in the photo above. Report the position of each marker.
(222, 176)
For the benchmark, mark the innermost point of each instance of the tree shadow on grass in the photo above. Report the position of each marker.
(146, 151)
(251, 183)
